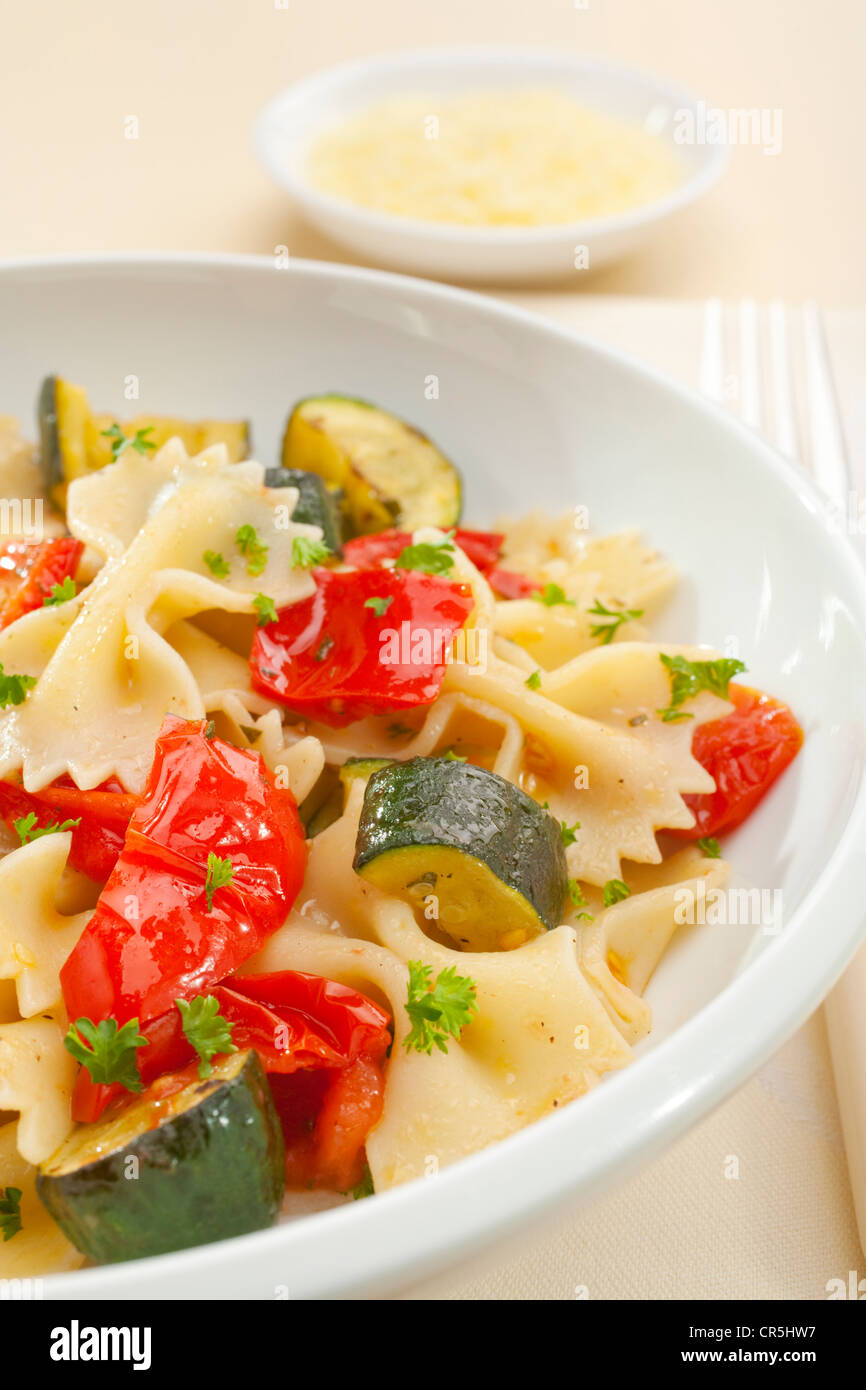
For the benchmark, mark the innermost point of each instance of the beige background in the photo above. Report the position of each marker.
(195, 72)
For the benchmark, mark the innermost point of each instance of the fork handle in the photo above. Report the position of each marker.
(844, 1010)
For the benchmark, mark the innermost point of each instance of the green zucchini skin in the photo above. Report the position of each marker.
(49, 442)
(316, 506)
(213, 1171)
(458, 806)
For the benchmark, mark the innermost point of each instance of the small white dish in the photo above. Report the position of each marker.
(534, 416)
(288, 126)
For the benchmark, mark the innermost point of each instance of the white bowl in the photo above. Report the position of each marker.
(290, 123)
(534, 416)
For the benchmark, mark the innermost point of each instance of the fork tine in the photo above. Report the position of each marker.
(750, 365)
(784, 419)
(828, 454)
(712, 378)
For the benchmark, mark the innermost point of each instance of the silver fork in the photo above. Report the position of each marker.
(774, 351)
(770, 365)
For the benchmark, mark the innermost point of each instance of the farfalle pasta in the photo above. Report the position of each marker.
(339, 841)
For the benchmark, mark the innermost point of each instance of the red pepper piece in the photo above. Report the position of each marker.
(103, 813)
(744, 751)
(153, 937)
(334, 659)
(30, 569)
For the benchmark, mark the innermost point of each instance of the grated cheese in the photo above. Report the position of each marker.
(520, 159)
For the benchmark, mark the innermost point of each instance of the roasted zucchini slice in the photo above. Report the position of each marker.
(490, 856)
(389, 472)
(317, 505)
(172, 1169)
(355, 768)
(73, 443)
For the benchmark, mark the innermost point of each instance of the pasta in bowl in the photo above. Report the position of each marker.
(333, 846)
(538, 422)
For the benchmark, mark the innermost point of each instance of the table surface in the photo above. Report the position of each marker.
(195, 72)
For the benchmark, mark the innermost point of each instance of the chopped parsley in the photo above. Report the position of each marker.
(578, 899)
(551, 595)
(108, 1052)
(307, 552)
(437, 1011)
(206, 1029)
(254, 551)
(379, 605)
(533, 681)
(138, 441)
(399, 730)
(266, 609)
(567, 832)
(10, 1212)
(219, 875)
(61, 593)
(216, 563)
(689, 678)
(614, 891)
(27, 829)
(613, 620)
(451, 757)
(711, 847)
(431, 557)
(364, 1188)
(13, 689)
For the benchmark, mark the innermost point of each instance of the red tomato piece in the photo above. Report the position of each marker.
(30, 569)
(744, 751)
(326, 1120)
(103, 814)
(334, 659)
(510, 584)
(154, 937)
(481, 547)
(295, 1021)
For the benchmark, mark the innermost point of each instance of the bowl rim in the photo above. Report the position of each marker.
(574, 1154)
(415, 230)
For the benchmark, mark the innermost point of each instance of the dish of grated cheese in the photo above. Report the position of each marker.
(492, 159)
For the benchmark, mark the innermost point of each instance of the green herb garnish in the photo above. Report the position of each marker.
(614, 891)
(61, 593)
(219, 875)
(379, 606)
(10, 1212)
(689, 678)
(26, 827)
(13, 689)
(533, 681)
(306, 552)
(578, 899)
(711, 847)
(437, 1011)
(120, 441)
(567, 832)
(614, 618)
(551, 595)
(430, 557)
(254, 550)
(216, 563)
(108, 1052)
(266, 609)
(206, 1029)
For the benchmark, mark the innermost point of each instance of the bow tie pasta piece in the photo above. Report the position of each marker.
(541, 1036)
(39, 1247)
(35, 939)
(37, 1075)
(621, 948)
(108, 682)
